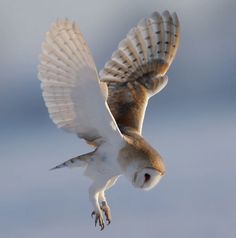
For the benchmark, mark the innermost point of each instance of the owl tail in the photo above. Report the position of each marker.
(79, 161)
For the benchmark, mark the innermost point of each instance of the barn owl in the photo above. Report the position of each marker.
(107, 109)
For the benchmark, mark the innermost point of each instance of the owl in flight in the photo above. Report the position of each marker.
(107, 109)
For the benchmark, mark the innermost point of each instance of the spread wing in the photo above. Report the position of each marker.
(75, 98)
(136, 70)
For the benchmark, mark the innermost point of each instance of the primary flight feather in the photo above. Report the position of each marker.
(107, 109)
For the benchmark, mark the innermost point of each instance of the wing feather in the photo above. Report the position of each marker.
(73, 94)
(137, 68)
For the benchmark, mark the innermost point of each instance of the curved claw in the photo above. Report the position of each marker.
(105, 208)
(98, 219)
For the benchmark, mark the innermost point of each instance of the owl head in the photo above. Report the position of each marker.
(142, 164)
(143, 174)
(146, 178)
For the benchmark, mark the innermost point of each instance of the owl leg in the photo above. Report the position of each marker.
(104, 206)
(94, 191)
(103, 202)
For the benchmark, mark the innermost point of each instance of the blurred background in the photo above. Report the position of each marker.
(192, 123)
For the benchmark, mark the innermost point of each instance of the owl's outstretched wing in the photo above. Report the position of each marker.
(136, 70)
(73, 94)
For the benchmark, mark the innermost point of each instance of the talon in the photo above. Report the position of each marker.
(105, 208)
(98, 220)
(102, 227)
(93, 213)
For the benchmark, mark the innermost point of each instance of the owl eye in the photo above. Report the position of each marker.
(147, 177)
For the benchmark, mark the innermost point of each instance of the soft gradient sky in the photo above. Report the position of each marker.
(192, 123)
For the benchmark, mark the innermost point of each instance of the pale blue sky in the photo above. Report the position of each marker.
(192, 123)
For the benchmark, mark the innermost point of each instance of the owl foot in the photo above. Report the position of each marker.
(106, 209)
(98, 219)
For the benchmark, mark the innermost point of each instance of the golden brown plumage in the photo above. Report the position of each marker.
(137, 69)
(138, 149)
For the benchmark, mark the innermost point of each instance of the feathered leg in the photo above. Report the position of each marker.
(102, 199)
(94, 190)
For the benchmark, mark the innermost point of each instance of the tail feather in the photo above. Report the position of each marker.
(79, 161)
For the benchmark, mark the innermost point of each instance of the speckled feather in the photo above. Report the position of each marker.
(137, 68)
